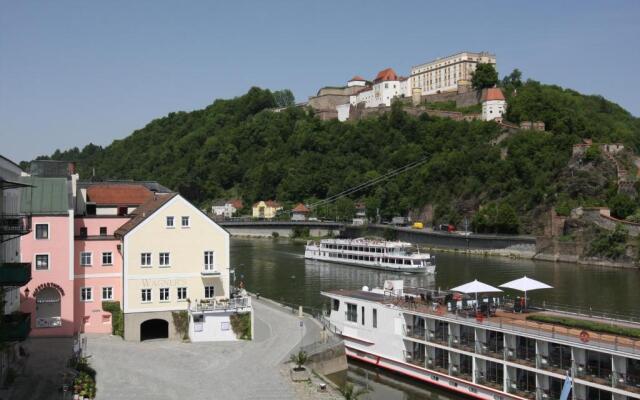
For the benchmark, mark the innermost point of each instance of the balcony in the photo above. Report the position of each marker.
(15, 274)
(414, 359)
(209, 271)
(454, 370)
(15, 224)
(628, 383)
(416, 332)
(490, 350)
(209, 306)
(520, 391)
(602, 377)
(17, 326)
(462, 343)
(491, 381)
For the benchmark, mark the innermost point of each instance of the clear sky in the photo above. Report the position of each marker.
(74, 72)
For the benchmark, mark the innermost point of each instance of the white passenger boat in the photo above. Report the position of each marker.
(440, 338)
(379, 254)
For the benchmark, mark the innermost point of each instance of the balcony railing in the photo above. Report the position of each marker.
(50, 322)
(222, 305)
(482, 379)
(489, 350)
(601, 377)
(461, 343)
(626, 383)
(514, 388)
(17, 326)
(15, 224)
(416, 332)
(15, 274)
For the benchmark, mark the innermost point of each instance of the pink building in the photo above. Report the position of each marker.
(49, 297)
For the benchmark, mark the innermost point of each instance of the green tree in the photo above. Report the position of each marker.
(484, 76)
(284, 98)
(345, 209)
(621, 206)
(513, 80)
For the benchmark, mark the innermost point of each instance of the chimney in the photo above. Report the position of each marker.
(155, 194)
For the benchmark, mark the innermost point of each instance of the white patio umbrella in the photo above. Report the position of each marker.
(525, 285)
(475, 287)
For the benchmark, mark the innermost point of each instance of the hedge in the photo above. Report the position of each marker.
(117, 317)
(587, 325)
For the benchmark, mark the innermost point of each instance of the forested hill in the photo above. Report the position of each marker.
(238, 148)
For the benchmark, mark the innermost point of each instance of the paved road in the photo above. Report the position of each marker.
(225, 370)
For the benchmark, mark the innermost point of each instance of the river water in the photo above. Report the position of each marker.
(277, 269)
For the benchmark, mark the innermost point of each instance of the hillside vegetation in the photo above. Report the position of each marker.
(238, 148)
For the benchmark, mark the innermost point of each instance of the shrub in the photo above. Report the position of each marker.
(587, 325)
(117, 317)
(299, 359)
(241, 325)
(275, 235)
(181, 322)
(621, 206)
(609, 244)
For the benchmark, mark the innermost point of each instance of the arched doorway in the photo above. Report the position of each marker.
(154, 329)
(48, 308)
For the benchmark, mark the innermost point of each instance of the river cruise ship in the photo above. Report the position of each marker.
(503, 355)
(379, 254)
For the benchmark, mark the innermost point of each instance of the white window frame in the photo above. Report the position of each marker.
(35, 231)
(166, 291)
(172, 219)
(160, 264)
(35, 262)
(142, 297)
(209, 265)
(83, 253)
(102, 292)
(110, 256)
(84, 290)
(186, 293)
(213, 289)
(150, 264)
(188, 225)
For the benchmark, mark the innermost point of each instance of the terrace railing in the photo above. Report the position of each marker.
(15, 224)
(15, 274)
(218, 305)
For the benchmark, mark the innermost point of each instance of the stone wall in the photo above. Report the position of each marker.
(359, 112)
(462, 99)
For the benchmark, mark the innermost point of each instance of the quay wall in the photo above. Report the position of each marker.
(262, 232)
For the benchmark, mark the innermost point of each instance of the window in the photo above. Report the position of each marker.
(145, 259)
(182, 293)
(146, 295)
(107, 258)
(85, 258)
(42, 231)
(86, 294)
(374, 319)
(208, 260)
(103, 231)
(164, 260)
(83, 232)
(335, 304)
(352, 312)
(42, 261)
(169, 222)
(164, 294)
(362, 315)
(107, 293)
(208, 292)
(185, 221)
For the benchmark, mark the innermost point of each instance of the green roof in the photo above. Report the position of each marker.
(47, 196)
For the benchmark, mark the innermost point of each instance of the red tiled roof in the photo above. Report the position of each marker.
(269, 203)
(357, 78)
(236, 203)
(143, 212)
(110, 194)
(387, 74)
(301, 208)
(492, 94)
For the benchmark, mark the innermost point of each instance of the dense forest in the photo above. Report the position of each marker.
(238, 147)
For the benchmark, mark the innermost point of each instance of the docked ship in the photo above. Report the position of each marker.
(434, 337)
(379, 254)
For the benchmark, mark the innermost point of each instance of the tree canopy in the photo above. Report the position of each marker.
(485, 76)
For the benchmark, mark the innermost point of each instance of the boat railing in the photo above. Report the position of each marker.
(626, 382)
(589, 312)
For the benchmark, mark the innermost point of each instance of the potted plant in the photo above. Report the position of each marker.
(299, 372)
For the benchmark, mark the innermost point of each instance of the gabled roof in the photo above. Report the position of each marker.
(143, 212)
(387, 74)
(48, 196)
(236, 203)
(301, 208)
(118, 194)
(269, 203)
(492, 94)
(357, 78)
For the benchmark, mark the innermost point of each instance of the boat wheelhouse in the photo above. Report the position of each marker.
(497, 355)
(379, 254)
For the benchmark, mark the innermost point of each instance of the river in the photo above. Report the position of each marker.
(277, 269)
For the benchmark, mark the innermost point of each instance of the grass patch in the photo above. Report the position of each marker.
(587, 325)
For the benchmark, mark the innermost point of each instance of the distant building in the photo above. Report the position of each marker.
(386, 86)
(357, 81)
(266, 209)
(532, 126)
(494, 104)
(360, 217)
(300, 213)
(446, 74)
(226, 208)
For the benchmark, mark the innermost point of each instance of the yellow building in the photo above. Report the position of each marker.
(266, 209)
(175, 258)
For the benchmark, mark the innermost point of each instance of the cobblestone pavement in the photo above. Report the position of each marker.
(216, 370)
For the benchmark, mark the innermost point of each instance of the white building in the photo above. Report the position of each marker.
(386, 86)
(494, 104)
(445, 74)
(226, 208)
(357, 81)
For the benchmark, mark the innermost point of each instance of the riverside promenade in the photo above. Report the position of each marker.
(166, 369)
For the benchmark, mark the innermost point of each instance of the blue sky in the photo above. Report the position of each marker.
(74, 72)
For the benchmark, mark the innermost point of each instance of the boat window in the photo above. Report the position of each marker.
(336, 304)
(352, 312)
(374, 320)
(407, 262)
(362, 315)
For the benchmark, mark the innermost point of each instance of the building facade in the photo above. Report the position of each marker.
(186, 262)
(494, 105)
(266, 209)
(446, 74)
(226, 208)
